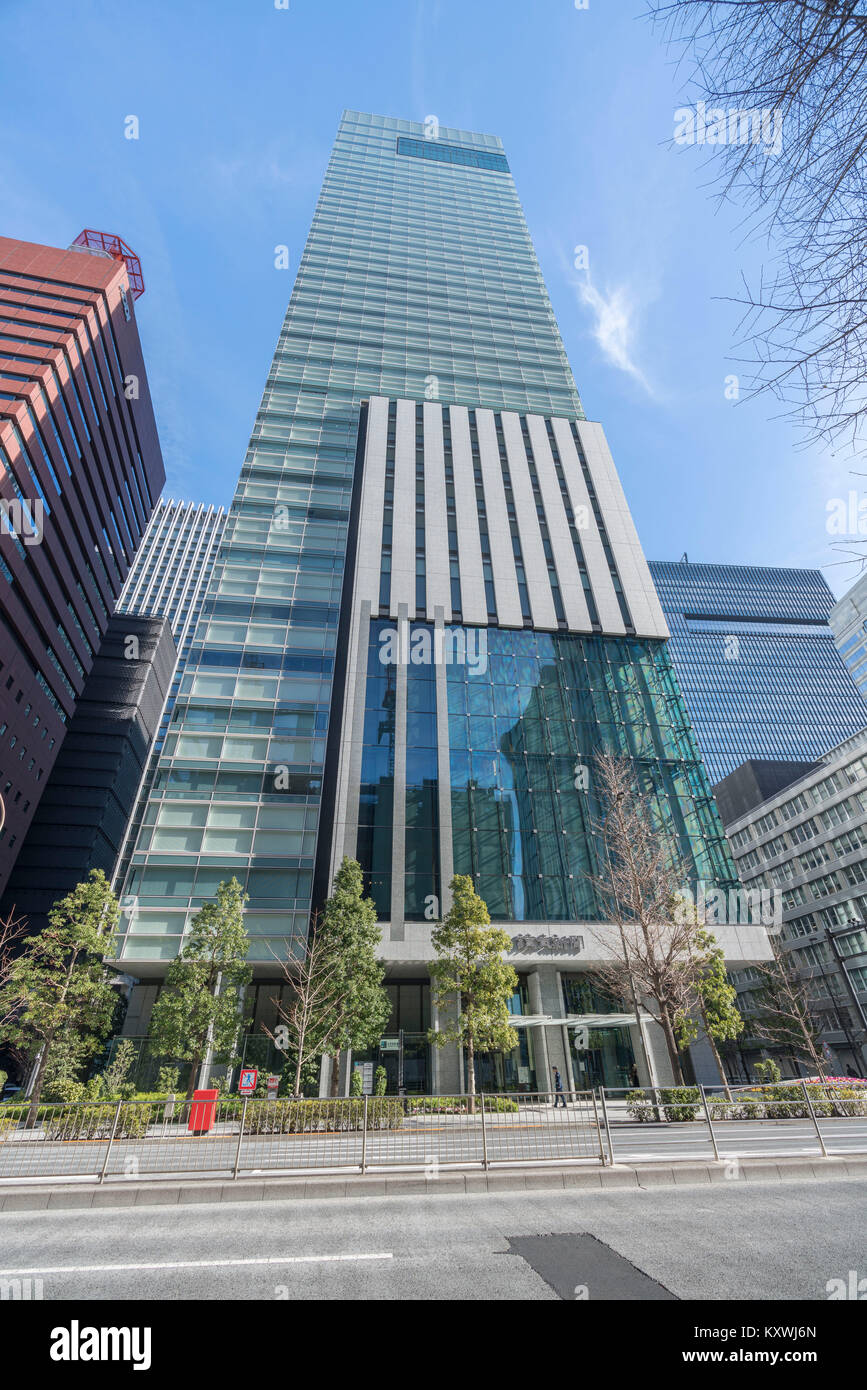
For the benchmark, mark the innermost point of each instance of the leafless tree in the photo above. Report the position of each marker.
(12, 930)
(805, 61)
(784, 1015)
(659, 955)
(312, 1017)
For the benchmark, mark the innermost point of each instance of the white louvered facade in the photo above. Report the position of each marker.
(541, 533)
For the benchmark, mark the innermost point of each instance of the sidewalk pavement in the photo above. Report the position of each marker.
(122, 1192)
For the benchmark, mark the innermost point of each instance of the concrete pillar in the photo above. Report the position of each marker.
(540, 1040)
(551, 1003)
(397, 928)
(448, 1072)
(636, 1038)
(659, 1059)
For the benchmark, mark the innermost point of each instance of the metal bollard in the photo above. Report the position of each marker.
(607, 1125)
(110, 1141)
(240, 1137)
(709, 1122)
(484, 1134)
(814, 1118)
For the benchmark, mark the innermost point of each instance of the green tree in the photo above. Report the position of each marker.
(349, 938)
(198, 1008)
(716, 1004)
(470, 965)
(58, 995)
(115, 1082)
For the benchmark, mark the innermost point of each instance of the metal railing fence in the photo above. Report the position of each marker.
(234, 1137)
(720, 1121)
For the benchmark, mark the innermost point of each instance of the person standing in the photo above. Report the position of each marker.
(558, 1089)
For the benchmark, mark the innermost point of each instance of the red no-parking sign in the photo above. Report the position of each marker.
(247, 1082)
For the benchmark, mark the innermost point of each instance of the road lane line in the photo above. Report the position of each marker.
(196, 1264)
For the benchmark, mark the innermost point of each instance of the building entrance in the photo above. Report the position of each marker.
(607, 1061)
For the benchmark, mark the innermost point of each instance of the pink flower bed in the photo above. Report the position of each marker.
(837, 1080)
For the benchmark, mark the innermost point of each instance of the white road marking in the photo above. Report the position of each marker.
(195, 1264)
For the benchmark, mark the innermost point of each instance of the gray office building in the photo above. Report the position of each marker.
(807, 840)
(848, 619)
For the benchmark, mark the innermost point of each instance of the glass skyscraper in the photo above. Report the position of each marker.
(848, 620)
(169, 579)
(430, 608)
(756, 661)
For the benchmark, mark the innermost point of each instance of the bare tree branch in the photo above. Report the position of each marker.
(12, 930)
(659, 958)
(315, 1013)
(805, 322)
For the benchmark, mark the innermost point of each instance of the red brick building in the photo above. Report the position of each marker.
(80, 473)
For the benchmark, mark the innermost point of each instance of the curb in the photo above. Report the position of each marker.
(450, 1182)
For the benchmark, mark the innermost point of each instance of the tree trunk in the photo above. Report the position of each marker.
(716, 1056)
(335, 1073)
(671, 1044)
(636, 1008)
(194, 1072)
(37, 1085)
(471, 1075)
(719, 1062)
(297, 1090)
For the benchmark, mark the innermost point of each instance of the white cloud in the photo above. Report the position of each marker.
(615, 328)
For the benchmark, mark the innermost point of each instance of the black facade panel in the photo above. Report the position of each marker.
(83, 813)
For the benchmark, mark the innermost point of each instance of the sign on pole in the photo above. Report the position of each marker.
(271, 1084)
(247, 1082)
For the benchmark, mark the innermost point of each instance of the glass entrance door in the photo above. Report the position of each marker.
(608, 1060)
(407, 1056)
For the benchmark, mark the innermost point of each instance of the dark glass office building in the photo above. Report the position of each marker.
(757, 663)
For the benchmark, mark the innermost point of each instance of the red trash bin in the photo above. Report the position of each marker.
(202, 1111)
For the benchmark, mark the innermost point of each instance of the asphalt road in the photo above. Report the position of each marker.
(729, 1240)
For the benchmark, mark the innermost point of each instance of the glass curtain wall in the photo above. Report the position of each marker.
(418, 280)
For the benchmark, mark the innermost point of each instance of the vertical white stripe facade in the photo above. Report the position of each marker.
(601, 582)
(436, 528)
(610, 552)
(532, 550)
(403, 529)
(500, 534)
(474, 608)
(647, 615)
(565, 559)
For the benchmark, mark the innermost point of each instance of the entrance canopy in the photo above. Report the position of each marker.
(576, 1020)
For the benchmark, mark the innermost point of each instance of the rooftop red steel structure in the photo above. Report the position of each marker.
(117, 248)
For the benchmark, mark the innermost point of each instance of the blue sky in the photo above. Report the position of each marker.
(238, 103)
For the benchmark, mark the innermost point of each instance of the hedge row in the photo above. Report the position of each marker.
(459, 1105)
(320, 1116)
(81, 1121)
(680, 1103)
